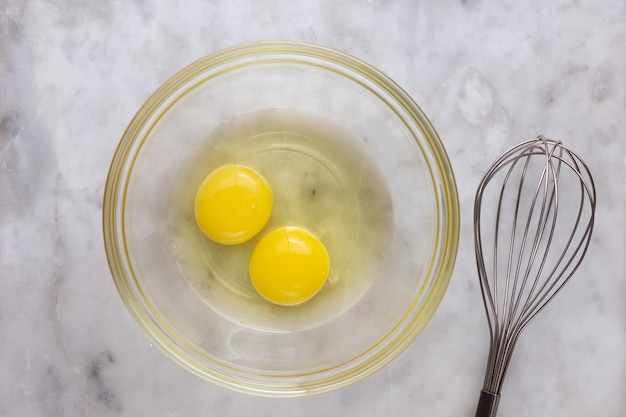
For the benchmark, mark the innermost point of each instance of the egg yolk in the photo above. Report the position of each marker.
(289, 266)
(233, 204)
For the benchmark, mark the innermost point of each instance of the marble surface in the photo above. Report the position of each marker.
(489, 74)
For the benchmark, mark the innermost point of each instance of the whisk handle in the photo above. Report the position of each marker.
(487, 404)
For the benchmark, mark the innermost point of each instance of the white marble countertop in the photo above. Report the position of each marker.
(489, 74)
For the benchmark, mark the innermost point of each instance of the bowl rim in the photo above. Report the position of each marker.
(159, 332)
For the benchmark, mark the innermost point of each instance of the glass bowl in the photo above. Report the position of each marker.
(348, 154)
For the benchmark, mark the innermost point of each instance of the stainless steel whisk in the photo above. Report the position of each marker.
(544, 199)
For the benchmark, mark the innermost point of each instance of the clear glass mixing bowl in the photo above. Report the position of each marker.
(215, 327)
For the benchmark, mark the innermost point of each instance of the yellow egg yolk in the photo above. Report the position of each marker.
(233, 204)
(289, 266)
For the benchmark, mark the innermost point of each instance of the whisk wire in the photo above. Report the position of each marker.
(513, 330)
(554, 277)
(520, 291)
(547, 212)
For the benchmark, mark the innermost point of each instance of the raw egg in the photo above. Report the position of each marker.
(289, 265)
(233, 204)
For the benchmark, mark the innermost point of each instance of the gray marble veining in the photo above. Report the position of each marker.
(488, 74)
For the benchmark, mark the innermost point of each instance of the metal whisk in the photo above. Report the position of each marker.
(542, 203)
